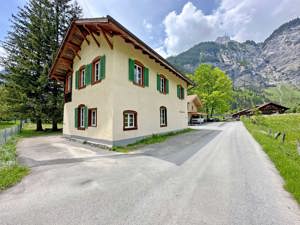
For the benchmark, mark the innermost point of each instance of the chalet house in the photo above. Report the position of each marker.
(265, 109)
(193, 104)
(117, 89)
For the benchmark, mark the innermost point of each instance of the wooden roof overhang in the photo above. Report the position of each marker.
(108, 27)
(272, 104)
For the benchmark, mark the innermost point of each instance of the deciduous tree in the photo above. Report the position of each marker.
(213, 87)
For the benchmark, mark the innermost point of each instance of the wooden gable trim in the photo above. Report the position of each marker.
(83, 35)
(105, 37)
(91, 33)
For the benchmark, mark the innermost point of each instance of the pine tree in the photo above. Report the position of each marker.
(31, 45)
(63, 12)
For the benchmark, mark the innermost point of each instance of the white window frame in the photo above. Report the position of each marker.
(93, 117)
(128, 123)
(97, 70)
(138, 74)
(82, 78)
(162, 84)
(81, 120)
(163, 116)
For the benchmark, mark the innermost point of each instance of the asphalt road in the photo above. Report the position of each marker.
(216, 175)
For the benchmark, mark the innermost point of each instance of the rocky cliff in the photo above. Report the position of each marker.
(250, 64)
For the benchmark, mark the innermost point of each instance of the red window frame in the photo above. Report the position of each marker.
(166, 116)
(90, 113)
(135, 127)
(68, 84)
(165, 82)
(79, 117)
(81, 85)
(136, 62)
(96, 60)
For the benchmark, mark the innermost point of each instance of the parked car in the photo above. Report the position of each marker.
(197, 119)
(213, 120)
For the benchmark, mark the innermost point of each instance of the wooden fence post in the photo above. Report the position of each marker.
(283, 137)
(277, 134)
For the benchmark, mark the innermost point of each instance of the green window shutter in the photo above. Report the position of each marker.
(77, 79)
(178, 91)
(167, 86)
(88, 74)
(182, 93)
(131, 70)
(146, 77)
(76, 117)
(86, 117)
(158, 82)
(102, 67)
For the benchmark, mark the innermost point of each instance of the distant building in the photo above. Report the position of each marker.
(265, 109)
(193, 104)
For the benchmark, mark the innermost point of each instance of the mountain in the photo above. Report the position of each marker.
(250, 64)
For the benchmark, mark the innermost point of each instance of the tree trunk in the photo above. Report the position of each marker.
(54, 124)
(39, 126)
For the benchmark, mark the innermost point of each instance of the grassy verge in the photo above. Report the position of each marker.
(10, 171)
(155, 138)
(6, 124)
(283, 154)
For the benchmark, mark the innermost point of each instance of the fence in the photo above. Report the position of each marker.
(7, 133)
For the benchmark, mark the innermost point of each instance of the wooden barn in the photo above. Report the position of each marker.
(271, 108)
(265, 109)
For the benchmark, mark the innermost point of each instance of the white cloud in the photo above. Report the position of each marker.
(240, 19)
(148, 26)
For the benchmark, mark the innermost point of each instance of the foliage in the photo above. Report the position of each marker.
(6, 124)
(286, 95)
(155, 138)
(36, 32)
(213, 87)
(11, 175)
(284, 155)
(11, 172)
(245, 99)
(4, 115)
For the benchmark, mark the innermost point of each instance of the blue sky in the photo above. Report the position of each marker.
(173, 26)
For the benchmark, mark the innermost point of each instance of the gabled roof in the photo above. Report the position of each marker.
(108, 27)
(195, 99)
(271, 103)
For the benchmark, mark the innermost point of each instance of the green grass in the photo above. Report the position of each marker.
(29, 130)
(284, 94)
(10, 171)
(6, 124)
(284, 155)
(155, 138)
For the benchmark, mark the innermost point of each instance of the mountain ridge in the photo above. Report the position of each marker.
(250, 64)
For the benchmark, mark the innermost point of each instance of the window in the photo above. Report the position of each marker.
(82, 78)
(138, 74)
(129, 120)
(162, 84)
(68, 86)
(81, 117)
(93, 117)
(96, 73)
(180, 92)
(163, 116)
